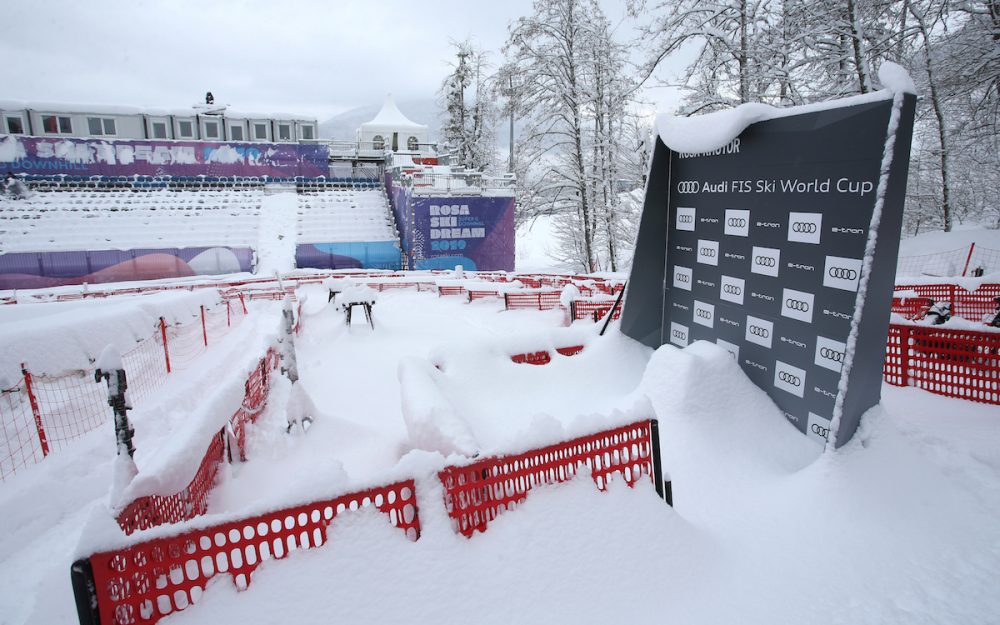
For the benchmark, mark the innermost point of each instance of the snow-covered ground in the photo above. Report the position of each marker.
(897, 527)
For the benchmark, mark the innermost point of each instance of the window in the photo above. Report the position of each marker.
(185, 129)
(15, 125)
(57, 124)
(307, 133)
(412, 145)
(378, 142)
(159, 130)
(236, 133)
(101, 126)
(260, 132)
(284, 132)
(211, 130)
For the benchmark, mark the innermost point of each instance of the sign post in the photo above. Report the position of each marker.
(781, 248)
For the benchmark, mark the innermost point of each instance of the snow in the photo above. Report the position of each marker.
(898, 526)
(895, 78)
(277, 234)
(715, 131)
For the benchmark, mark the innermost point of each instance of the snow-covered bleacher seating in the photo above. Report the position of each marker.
(334, 214)
(91, 219)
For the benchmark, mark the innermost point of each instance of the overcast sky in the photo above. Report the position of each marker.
(318, 57)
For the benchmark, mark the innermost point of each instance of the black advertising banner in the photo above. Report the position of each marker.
(760, 247)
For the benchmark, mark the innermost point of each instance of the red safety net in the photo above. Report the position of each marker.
(979, 305)
(594, 310)
(451, 290)
(258, 385)
(482, 294)
(152, 510)
(544, 357)
(953, 363)
(536, 300)
(477, 493)
(141, 584)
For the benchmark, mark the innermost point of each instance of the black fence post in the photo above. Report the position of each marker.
(663, 487)
(85, 592)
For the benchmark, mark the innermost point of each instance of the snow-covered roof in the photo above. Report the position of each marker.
(713, 131)
(106, 109)
(390, 117)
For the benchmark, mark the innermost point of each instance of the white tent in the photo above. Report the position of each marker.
(391, 130)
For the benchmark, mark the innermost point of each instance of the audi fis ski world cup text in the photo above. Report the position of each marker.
(779, 185)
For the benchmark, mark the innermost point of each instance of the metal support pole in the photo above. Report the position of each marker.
(35, 411)
(972, 246)
(204, 332)
(229, 315)
(117, 385)
(166, 351)
(611, 313)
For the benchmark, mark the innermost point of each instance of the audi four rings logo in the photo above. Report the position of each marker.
(759, 331)
(704, 314)
(804, 227)
(682, 277)
(794, 380)
(764, 261)
(685, 219)
(732, 289)
(822, 431)
(706, 251)
(797, 304)
(736, 222)
(687, 186)
(843, 272)
(677, 334)
(831, 354)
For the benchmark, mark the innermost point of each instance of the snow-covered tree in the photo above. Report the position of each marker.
(469, 113)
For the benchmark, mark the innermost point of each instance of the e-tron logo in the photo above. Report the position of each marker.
(736, 222)
(687, 186)
(764, 261)
(685, 219)
(794, 380)
(803, 227)
(842, 273)
(831, 354)
(759, 331)
(732, 289)
(795, 304)
(820, 430)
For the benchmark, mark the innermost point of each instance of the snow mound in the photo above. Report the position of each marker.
(701, 392)
(431, 420)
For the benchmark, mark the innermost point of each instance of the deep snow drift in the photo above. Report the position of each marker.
(899, 526)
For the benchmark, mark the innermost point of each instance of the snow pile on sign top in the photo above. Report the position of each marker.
(714, 131)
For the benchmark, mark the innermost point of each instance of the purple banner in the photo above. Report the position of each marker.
(98, 157)
(35, 270)
(475, 232)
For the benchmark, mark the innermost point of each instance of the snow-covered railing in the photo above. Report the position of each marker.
(141, 583)
(980, 305)
(535, 300)
(594, 309)
(954, 363)
(44, 412)
(478, 492)
(153, 510)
